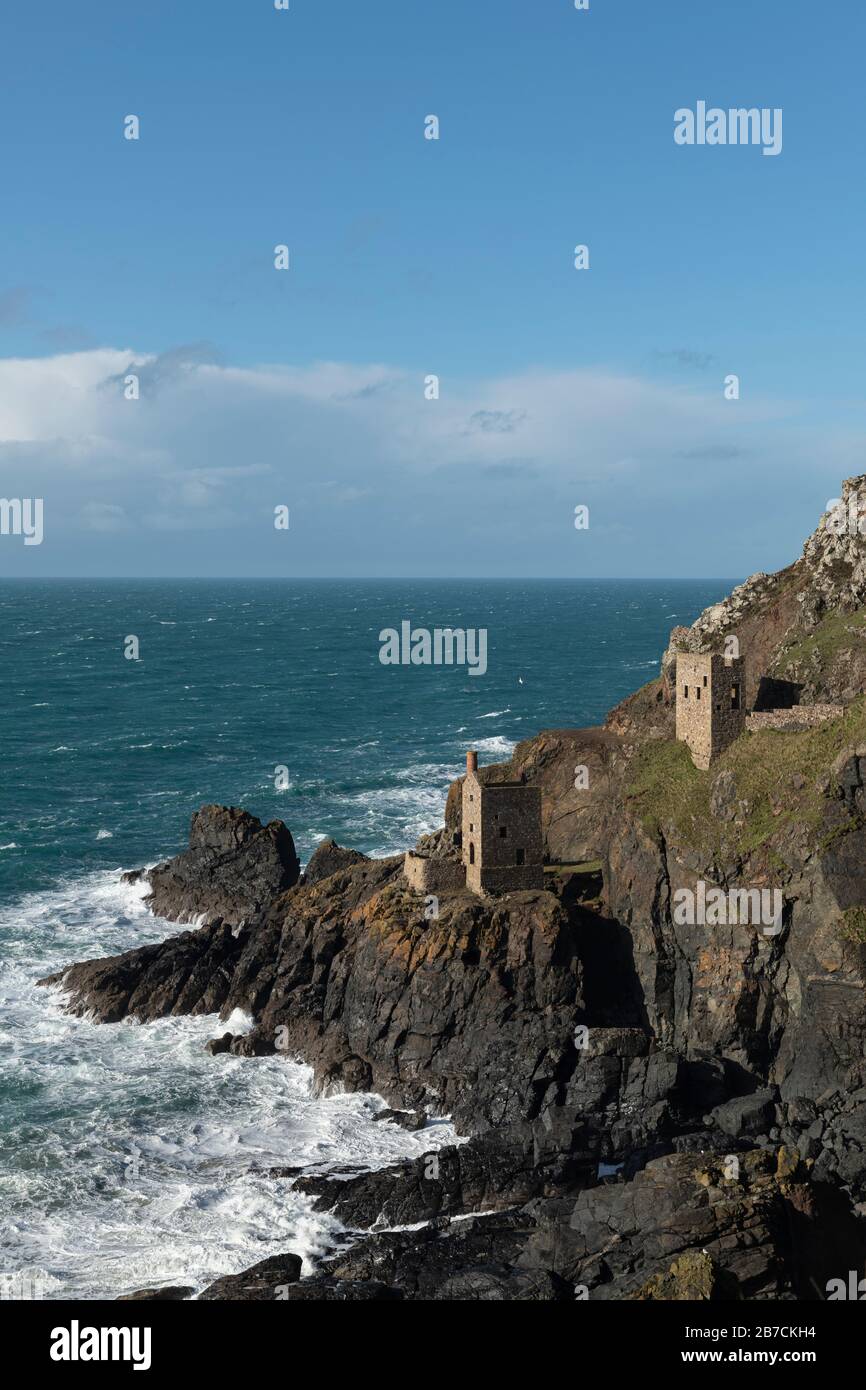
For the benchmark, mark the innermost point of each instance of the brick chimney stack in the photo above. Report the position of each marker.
(471, 761)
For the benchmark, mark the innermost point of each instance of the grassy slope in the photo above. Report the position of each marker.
(776, 775)
(836, 633)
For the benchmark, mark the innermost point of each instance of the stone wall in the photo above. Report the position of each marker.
(435, 874)
(790, 720)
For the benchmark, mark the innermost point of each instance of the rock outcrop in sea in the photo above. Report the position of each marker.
(653, 1109)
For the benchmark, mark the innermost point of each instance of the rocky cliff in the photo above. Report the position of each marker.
(657, 1108)
(233, 867)
(802, 627)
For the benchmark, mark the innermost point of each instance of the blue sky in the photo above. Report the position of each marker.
(411, 257)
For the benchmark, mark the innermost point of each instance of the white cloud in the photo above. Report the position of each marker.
(103, 516)
(45, 398)
(490, 470)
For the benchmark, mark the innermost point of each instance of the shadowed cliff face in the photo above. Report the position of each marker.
(787, 1008)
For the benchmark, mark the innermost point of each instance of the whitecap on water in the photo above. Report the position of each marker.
(499, 745)
(133, 1158)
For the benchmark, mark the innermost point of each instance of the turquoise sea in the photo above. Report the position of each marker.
(128, 1156)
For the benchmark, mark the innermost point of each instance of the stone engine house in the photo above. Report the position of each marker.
(502, 842)
(710, 703)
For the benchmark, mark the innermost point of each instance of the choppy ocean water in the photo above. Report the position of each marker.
(128, 1156)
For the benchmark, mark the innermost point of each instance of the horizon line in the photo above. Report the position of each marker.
(366, 578)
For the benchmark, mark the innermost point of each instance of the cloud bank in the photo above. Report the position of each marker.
(381, 480)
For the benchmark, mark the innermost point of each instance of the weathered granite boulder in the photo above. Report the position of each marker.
(694, 1277)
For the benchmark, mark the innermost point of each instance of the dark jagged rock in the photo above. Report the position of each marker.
(172, 1293)
(760, 1229)
(322, 1289)
(688, 1226)
(473, 1012)
(329, 858)
(406, 1119)
(234, 867)
(491, 1173)
(264, 1282)
(746, 1114)
(502, 1283)
(439, 1260)
(187, 974)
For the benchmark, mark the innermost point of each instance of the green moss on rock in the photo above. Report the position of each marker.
(854, 925)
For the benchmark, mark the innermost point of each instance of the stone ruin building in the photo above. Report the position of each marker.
(710, 703)
(500, 848)
(711, 706)
(503, 847)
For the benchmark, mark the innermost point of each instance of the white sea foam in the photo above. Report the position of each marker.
(498, 744)
(393, 817)
(131, 1157)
